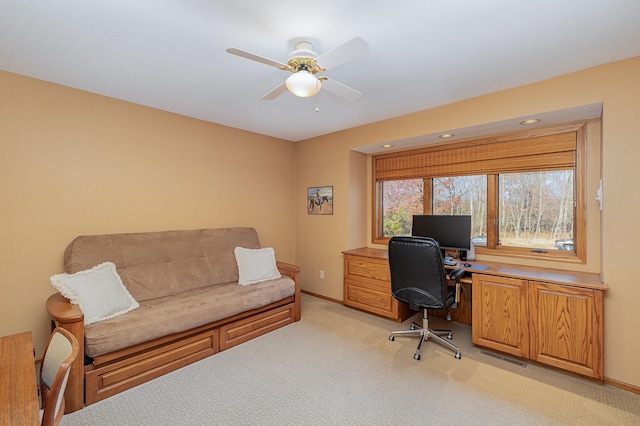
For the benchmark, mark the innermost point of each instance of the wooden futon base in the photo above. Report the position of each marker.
(118, 371)
(122, 370)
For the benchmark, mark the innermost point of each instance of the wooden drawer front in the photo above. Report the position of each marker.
(240, 331)
(368, 270)
(105, 381)
(369, 298)
(566, 328)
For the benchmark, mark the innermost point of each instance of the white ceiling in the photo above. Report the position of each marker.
(171, 55)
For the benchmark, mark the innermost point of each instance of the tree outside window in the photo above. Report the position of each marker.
(400, 201)
(536, 210)
(463, 195)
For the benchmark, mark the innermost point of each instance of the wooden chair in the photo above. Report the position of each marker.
(62, 349)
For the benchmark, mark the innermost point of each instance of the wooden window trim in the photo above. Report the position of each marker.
(558, 161)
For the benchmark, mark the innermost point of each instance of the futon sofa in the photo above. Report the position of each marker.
(189, 304)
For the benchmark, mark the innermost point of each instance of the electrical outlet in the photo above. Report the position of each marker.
(322, 275)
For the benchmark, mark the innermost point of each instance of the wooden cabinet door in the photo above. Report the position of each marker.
(567, 328)
(500, 314)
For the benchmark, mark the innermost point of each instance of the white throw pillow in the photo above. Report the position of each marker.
(256, 265)
(98, 291)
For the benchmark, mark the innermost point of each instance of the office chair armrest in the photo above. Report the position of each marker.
(456, 274)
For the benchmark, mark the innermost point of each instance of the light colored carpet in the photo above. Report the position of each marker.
(337, 367)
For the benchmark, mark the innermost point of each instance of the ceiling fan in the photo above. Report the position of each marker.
(305, 63)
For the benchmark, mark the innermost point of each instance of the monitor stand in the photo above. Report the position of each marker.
(461, 253)
(444, 255)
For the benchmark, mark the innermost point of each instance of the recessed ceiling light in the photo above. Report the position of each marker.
(447, 135)
(530, 121)
(386, 145)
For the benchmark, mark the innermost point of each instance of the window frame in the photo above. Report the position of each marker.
(492, 247)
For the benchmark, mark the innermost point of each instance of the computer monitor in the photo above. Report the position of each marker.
(451, 232)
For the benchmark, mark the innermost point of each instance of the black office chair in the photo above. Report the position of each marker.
(418, 277)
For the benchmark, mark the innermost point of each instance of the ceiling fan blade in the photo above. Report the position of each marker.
(341, 54)
(275, 92)
(340, 89)
(258, 58)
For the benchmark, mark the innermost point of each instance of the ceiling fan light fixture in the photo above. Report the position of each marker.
(303, 84)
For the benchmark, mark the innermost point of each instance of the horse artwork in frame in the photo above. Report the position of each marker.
(320, 200)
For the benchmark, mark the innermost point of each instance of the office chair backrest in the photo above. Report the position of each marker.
(418, 276)
(60, 353)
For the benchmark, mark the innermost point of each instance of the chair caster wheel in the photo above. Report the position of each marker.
(392, 337)
(449, 336)
(458, 356)
(416, 357)
(413, 327)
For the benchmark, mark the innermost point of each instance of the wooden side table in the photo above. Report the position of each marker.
(18, 387)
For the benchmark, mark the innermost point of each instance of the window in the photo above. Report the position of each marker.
(400, 201)
(536, 210)
(462, 195)
(524, 192)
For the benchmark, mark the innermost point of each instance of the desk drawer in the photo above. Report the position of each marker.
(371, 271)
(369, 298)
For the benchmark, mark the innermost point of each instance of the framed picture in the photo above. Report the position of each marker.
(320, 200)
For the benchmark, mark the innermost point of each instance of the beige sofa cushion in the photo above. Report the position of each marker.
(181, 312)
(159, 264)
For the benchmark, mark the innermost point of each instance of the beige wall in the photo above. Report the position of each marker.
(323, 165)
(76, 163)
(325, 161)
(358, 199)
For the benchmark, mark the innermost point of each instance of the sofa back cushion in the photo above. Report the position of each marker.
(159, 264)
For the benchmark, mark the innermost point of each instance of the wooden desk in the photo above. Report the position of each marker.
(367, 286)
(18, 387)
(551, 316)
